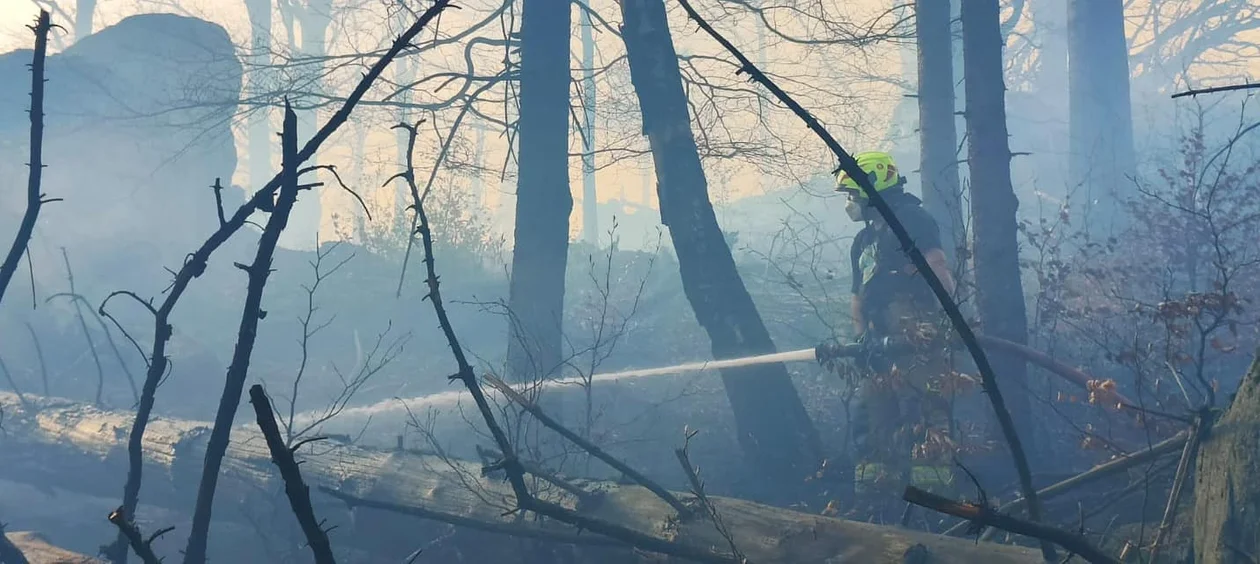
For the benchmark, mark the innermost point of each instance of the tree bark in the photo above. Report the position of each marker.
(543, 200)
(1227, 492)
(772, 426)
(999, 291)
(1100, 112)
(938, 134)
(313, 19)
(57, 442)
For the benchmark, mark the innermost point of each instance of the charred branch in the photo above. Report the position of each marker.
(129, 531)
(594, 450)
(986, 516)
(1230, 88)
(35, 199)
(258, 272)
(297, 491)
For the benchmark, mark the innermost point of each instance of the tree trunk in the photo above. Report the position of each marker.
(590, 199)
(775, 432)
(55, 442)
(1227, 492)
(258, 125)
(999, 291)
(543, 200)
(1101, 115)
(938, 136)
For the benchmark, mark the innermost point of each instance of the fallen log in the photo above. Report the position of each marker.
(58, 442)
(37, 550)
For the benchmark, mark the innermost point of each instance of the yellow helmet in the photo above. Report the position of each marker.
(880, 167)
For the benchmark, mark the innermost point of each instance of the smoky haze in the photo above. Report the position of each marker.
(614, 201)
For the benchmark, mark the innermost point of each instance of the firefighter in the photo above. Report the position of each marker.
(900, 423)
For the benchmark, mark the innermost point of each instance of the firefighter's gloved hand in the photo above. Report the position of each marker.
(872, 356)
(827, 351)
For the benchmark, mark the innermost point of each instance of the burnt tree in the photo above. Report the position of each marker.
(543, 200)
(999, 291)
(1100, 121)
(773, 428)
(938, 132)
(1227, 488)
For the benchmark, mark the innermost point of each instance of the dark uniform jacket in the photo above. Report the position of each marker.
(879, 264)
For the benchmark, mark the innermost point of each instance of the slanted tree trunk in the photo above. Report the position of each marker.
(258, 123)
(775, 432)
(938, 136)
(1101, 114)
(543, 200)
(999, 291)
(1227, 489)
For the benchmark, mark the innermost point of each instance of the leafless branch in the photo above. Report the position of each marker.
(985, 516)
(258, 273)
(697, 489)
(129, 531)
(297, 491)
(35, 200)
(586, 445)
(1230, 88)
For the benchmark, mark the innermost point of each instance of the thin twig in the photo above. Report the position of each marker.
(850, 166)
(612, 461)
(13, 384)
(1214, 89)
(982, 515)
(129, 531)
(34, 198)
(697, 488)
(1188, 457)
(298, 493)
(87, 335)
(509, 529)
(1108, 468)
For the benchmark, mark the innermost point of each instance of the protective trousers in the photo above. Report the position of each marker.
(901, 418)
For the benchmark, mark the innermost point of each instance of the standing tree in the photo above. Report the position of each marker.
(771, 423)
(84, 11)
(999, 291)
(543, 200)
(938, 134)
(1100, 113)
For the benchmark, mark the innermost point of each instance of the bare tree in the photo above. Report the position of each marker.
(35, 199)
